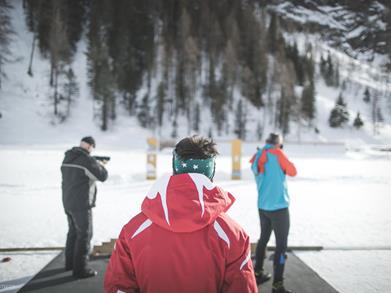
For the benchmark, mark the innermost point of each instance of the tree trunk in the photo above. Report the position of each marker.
(51, 73)
(55, 73)
(113, 113)
(0, 72)
(104, 114)
(30, 70)
(69, 101)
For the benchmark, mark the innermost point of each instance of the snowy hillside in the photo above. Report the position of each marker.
(27, 109)
(361, 31)
(26, 106)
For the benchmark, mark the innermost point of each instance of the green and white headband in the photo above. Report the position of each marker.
(201, 166)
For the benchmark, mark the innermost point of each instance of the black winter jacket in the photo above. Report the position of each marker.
(80, 171)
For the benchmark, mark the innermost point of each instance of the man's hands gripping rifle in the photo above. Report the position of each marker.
(102, 159)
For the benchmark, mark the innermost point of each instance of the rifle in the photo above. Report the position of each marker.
(102, 158)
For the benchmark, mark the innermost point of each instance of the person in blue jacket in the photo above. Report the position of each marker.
(270, 166)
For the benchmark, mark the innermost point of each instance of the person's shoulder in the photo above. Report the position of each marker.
(135, 223)
(85, 158)
(74, 155)
(233, 234)
(231, 226)
(277, 152)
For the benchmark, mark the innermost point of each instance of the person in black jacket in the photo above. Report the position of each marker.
(80, 171)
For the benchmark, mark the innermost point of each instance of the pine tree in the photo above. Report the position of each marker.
(75, 12)
(329, 71)
(218, 107)
(336, 78)
(367, 95)
(229, 72)
(174, 131)
(30, 67)
(31, 21)
(105, 91)
(240, 121)
(287, 107)
(100, 66)
(299, 62)
(217, 95)
(329, 77)
(259, 131)
(210, 132)
(283, 117)
(379, 115)
(197, 118)
(181, 86)
(374, 112)
(59, 52)
(248, 85)
(44, 13)
(6, 33)
(323, 66)
(191, 56)
(254, 54)
(339, 114)
(308, 101)
(273, 33)
(41, 21)
(130, 28)
(358, 123)
(71, 90)
(143, 112)
(160, 101)
(308, 67)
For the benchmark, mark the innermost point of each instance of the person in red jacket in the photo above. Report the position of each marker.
(183, 240)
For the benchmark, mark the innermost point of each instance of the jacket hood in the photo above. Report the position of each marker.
(185, 202)
(74, 153)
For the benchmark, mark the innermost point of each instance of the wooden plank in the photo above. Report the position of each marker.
(21, 249)
(290, 248)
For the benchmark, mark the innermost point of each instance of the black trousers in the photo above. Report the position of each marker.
(278, 221)
(78, 240)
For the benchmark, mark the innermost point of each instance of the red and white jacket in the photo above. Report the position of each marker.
(182, 241)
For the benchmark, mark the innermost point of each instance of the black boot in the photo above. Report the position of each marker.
(278, 287)
(262, 277)
(86, 273)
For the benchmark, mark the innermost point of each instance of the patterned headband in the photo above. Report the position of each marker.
(202, 166)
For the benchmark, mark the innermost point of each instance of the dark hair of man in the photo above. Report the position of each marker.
(90, 140)
(196, 147)
(273, 138)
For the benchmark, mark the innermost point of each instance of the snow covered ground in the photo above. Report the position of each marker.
(22, 267)
(352, 271)
(339, 200)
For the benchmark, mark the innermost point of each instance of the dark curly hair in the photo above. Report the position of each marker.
(274, 138)
(196, 147)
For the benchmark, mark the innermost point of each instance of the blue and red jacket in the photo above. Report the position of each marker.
(270, 167)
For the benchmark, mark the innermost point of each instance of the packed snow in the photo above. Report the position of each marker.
(352, 271)
(21, 268)
(339, 200)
